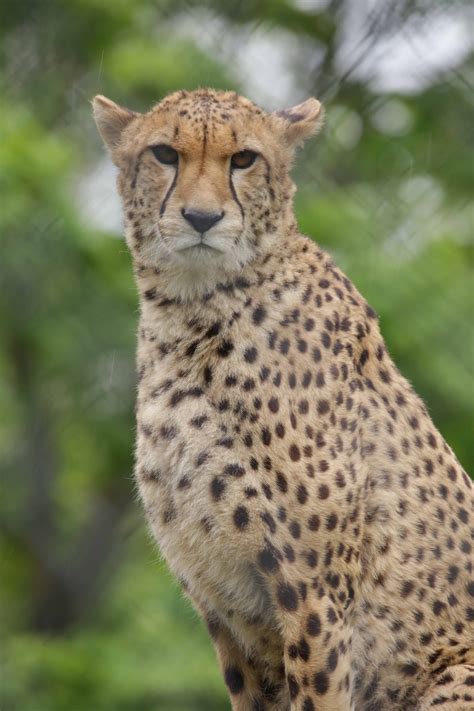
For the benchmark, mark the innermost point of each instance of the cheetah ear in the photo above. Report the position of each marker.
(110, 119)
(301, 121)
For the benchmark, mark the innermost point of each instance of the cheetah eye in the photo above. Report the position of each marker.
(165, 154)
(243, 159)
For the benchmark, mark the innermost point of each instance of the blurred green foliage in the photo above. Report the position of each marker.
(90, 618)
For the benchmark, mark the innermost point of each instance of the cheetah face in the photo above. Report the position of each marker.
(203, 178)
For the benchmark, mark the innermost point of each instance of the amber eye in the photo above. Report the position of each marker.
(243, 159)
(165, 154)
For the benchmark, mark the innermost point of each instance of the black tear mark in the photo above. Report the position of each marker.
(268, 170)
(234, 195)
(136, 169)
(170, 190)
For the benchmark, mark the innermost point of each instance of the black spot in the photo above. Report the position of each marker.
(282, 482)
(453, 572)
(302, 494)
(295, 529)
(250, 355)
(234, 680)
(293, 686)
(295, 454)
(225, 348)
(323, 491)
(269, 520)
(409, 669)
(234, 470)
(293, 651)
(304, 649)
(267, 560)
(199, 421)
(273, 404)
(282, 514)
(438, 607)
(333, 658)
(241, 517)
(323, 407)
(213, 330)
(191, 349)
(279, 430)
(303, 407)
(168, 431)
(407, 588)
(303, 590)
(313, 625)
(259, 315)
(217, 488)
(270, 690)
(287, 597)
(202, 458)
(321, 682)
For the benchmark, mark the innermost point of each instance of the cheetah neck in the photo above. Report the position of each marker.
(276, 262)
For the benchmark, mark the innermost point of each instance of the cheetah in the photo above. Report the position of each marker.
(293, 480)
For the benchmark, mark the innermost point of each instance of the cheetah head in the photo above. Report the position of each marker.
(204, 178)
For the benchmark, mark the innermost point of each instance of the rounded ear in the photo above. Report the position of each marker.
(301, 121)
(110, 119)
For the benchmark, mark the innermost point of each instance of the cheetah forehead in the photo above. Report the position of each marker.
(209, 105)
(222, 120)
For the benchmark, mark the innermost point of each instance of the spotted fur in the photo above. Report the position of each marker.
(292, 478)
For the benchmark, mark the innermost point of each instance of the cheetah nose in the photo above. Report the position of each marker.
(201, 221)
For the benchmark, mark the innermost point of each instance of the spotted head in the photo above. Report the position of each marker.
(204, 178)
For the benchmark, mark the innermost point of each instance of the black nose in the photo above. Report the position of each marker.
(201, 221)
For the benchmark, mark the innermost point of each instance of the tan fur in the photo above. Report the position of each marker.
(292, 478)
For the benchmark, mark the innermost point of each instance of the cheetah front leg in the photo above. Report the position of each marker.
(453, 690)
(253, 684)
(317, 654)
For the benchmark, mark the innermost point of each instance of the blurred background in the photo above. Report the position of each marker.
(90, 617)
